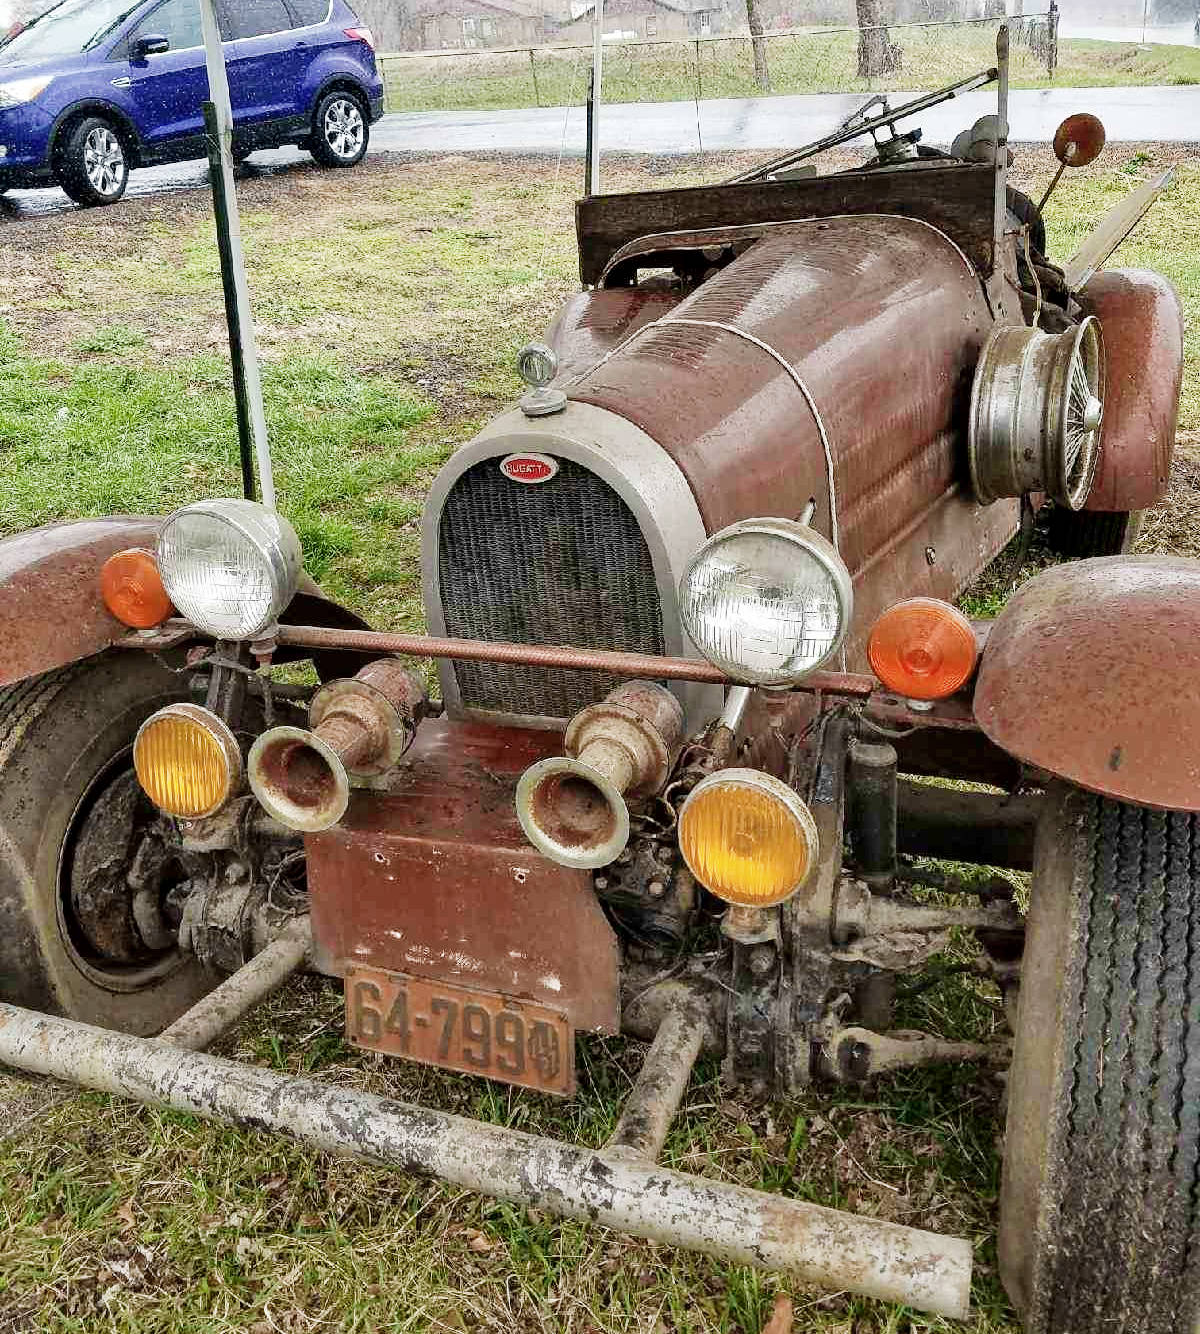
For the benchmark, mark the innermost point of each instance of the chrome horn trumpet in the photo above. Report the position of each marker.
(572, 807)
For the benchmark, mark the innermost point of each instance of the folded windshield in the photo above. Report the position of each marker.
(65, 29)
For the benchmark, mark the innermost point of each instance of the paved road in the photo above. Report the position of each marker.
(1174, 34)
(772, 123)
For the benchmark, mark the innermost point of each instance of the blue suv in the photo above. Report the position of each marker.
(94, 88)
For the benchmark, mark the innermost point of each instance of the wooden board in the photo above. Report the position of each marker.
(957, 199)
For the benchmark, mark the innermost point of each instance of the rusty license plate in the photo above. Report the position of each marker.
(478, 1032)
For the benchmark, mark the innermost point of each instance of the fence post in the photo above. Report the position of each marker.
(537, 96)
(1052, 39)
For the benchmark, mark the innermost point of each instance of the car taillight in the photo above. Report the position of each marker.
(923, 649)
(362, 35)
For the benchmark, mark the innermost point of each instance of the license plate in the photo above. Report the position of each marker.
(477, 1032)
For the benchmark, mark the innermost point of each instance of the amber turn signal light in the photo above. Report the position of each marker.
(923, 649)
(187, 761)
(133, 590)
(747, 837)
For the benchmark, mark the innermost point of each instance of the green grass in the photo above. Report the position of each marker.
(723, 67)
(388, 316)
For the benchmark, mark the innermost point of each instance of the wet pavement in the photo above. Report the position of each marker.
(1163, 115)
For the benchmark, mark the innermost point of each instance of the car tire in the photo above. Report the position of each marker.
(341, 130)
(66, 742)
(1079, 534)
(1099, 1220)
(93, 163)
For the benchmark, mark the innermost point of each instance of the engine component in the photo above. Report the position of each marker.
(360, 727)
(1036, 408)
(187, 761)
(872, 812)
(747, 837)
(572, 807)
(650, 897)
(767, 600)
(230, 566)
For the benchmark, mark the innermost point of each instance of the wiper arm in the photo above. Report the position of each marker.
(849, 130)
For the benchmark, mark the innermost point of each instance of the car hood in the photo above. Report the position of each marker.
(11, 67)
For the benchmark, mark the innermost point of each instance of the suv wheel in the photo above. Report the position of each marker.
(92, 167)
(340, 130)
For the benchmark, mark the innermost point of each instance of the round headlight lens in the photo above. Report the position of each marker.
(187, 761)
(768, 601)
(229, 566)
(747, 837)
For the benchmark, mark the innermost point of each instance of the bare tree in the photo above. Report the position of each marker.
(762, 75)
(877, 53)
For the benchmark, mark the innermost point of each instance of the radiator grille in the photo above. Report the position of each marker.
(560, 562)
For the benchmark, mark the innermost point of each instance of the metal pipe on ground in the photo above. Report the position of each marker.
(823, 1246)
(659, 1088)
(217, 1012)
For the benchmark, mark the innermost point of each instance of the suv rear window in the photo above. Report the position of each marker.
(311, 11)
(255, 18)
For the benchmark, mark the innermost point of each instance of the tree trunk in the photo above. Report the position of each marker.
(877, 53)
(762, 76)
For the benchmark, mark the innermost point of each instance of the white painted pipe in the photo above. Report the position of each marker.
(835, 1250)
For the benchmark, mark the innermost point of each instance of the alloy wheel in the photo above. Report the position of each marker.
(104, 161)
(344, 128)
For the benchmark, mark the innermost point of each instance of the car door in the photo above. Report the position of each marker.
(166, 91)
(264, 58)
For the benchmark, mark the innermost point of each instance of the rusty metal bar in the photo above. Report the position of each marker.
(241, 991)
(835, 1250)
(647, 665)
(990, 828)
(651, 1106)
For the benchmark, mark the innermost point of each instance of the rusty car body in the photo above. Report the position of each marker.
(690, 603)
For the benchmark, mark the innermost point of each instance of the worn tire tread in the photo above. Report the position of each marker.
(1117, 1216)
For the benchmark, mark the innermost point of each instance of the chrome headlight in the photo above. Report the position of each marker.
(229, 566)
(767, 601)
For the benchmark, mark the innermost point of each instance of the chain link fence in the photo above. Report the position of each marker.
(912, 56)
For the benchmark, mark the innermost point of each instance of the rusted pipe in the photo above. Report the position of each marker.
(646, 665)
(991, 828)
(217, 1012)
(658, 1090)
(836, 1250)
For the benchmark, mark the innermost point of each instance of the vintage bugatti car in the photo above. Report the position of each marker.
(692, 605)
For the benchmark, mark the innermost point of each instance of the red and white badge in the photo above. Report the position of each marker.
(529, 468)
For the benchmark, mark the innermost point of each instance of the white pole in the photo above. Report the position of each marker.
(218, 92)
(597, 83)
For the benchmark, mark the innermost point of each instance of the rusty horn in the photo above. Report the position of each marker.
(572, 807)
(360, 726)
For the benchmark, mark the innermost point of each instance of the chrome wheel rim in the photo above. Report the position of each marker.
(344, 127)
(104, 161)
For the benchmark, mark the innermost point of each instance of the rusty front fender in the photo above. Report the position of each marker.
(51, 613)
(1092, 672)
(1143, 341)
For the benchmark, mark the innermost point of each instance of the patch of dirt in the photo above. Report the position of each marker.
(1173, 526)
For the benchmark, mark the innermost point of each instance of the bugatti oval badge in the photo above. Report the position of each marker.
(529, 468)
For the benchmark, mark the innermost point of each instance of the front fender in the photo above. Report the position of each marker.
(1092, 672)
(51, 612)
(1143, 342)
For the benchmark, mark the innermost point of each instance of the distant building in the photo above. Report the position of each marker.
(447, 25)
(669, 20)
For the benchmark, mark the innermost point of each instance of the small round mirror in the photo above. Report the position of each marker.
(1079, 139)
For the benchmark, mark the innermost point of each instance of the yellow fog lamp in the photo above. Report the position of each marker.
(187, 761)
(747, 837)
